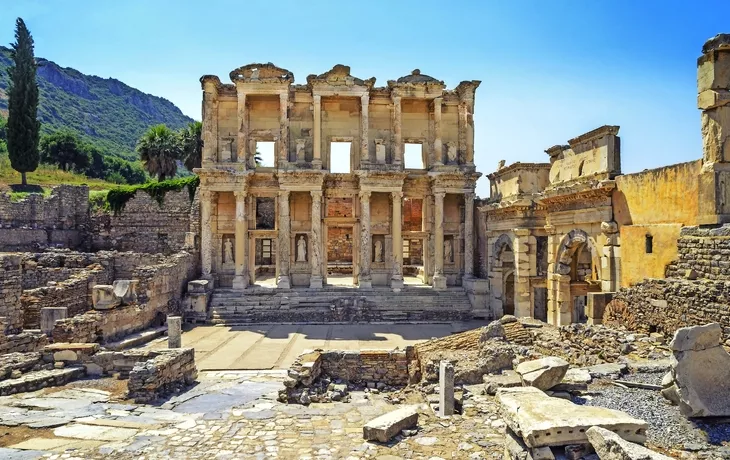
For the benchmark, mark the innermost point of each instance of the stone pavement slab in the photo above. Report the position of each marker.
(93, 432)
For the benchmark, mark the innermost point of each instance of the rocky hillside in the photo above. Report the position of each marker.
(103, 110)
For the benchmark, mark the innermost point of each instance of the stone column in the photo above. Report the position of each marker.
(364, 279)
(174, 331)
(468, 235)
(364, 131)
(240, 281)
(397, 132)
(206, 233)
(283, 128)
(439, 280)
(438, 148)
(315, 245)
(396, 280)
(521, 250)
(462, 115)
(241, 156)
(210, 122)
(713, 99)
(469, 160)
(611, 258)
(446, 389)
(317, 139)
(284, 241)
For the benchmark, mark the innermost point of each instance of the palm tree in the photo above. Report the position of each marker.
(159, 150)
(257, 158)
(192, 145)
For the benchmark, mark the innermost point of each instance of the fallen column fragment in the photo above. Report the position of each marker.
(386, 426)
(610, 446)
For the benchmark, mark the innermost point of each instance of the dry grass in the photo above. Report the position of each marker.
(47, 175)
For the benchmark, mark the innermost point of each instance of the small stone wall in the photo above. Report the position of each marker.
(368, 366)
(61, 219)
(165, 373)
(706, 251)
(10, 291)
(144, 225)
(23, 342)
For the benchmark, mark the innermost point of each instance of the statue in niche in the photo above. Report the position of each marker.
(379, 151)
(451, 153)
(448, 253)
(228, 251)
(301, 249)
(300, 150)
(378, 251)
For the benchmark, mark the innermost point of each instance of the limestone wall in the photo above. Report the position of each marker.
(376, 366)
(162, 374)
(62, 219)
(145, 226)
(10, 292)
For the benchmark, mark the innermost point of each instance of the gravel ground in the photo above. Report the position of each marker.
(668, 428)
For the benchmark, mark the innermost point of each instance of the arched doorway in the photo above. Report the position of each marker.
(578, 273)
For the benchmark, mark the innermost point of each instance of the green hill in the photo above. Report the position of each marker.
(103, 111)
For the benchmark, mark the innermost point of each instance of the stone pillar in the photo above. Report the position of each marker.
(284, 241)
(210, 122)
(713, 88)
(174, 331)
(315, 245)
(468, 235)
(364, 132)
(206, 233)
(523, 306)
(364, 279)
(483, 243)
(438, 148)
(439, 280)
(397, 132)
(396, 280)
(462, 115)
(240, 281)
(446, 389)
(317, 139)
(49, 316)
(241, 154)
(611, 258)
(283, 128)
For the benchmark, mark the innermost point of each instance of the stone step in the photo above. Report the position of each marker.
(137, 339)
(40, 379)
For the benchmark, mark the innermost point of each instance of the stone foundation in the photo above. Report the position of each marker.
(163, 374)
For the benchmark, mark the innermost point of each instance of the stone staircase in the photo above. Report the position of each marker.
(339, 305)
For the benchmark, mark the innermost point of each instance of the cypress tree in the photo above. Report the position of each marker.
(23, 128)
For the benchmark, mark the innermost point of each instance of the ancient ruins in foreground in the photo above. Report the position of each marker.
(341, 204)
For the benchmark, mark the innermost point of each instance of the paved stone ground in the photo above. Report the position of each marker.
(276, 346)
(231, 415)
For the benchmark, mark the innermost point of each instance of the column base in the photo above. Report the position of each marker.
(283, 282)
(316, 164)
(315, 282)
(396, 283)
(240, 282)
(439, 282)
(364, 282)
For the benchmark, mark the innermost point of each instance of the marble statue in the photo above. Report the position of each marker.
(301, 249)
(378, 251)
(451, 153)
(228, 251)
(448, 256)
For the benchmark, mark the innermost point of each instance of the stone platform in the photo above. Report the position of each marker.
(339, 304)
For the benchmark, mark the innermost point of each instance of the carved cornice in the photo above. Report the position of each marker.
(261, 73)
(519, 167)
(339, 75)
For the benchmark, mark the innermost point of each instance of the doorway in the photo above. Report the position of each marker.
(508, 305)
(340, 249)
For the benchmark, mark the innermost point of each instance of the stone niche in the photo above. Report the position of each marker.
(265, 213)
(228, 251)
(301, 268)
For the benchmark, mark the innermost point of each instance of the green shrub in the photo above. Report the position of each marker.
(117, 198)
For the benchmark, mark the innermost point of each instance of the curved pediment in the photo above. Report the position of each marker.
(340, 75)
(417, 77)
(265, 73)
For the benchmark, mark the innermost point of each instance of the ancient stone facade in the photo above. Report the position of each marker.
(314, 206)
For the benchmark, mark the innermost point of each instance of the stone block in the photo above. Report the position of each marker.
(103, 298)
(544, 421)
(543, 373)
(610, 446)
(385, 427)
(174, 331)
(126, 291)
(446, 389)
(198, 286)
(49, 315)
(696, 337)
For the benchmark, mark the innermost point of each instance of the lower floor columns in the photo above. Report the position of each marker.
(396, 280)
(240, 280)
(439, 279)
(315, 245)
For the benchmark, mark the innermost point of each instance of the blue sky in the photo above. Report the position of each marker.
(550, 70)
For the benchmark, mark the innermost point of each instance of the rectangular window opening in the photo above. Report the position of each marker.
(265, 157)
(406, 249)
(340, 157)
(266, 252)
(413, 156)
(649, 244)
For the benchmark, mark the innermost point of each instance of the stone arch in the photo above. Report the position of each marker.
(503, 242)
(569, 245)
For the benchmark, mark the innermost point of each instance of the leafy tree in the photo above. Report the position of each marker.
(23, 125)
(65, 149)
(192, 145)
(116, 178)
(159, 150)
(3, 129)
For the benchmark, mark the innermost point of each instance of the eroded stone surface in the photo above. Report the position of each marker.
(543, 373)
(611, 446)
(386, 426)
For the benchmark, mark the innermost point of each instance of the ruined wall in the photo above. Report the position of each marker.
(162, 374)
(339, 244)
(145, 226)
(10, 291)
(706, 251)
(62, 219)
(389, 367)
(654, 203)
